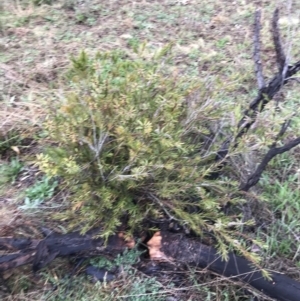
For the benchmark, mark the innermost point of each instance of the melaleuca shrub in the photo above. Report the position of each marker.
(127, 138)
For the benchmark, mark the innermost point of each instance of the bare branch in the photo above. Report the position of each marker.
(264, 96)
(256, 55)
(273, 151)
(280, 55)
(159, 202)
(42, 252)
(282, 131)
(175, 247)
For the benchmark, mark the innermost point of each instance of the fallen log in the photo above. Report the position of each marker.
(39, 253)
(166, 246)
(163, 246)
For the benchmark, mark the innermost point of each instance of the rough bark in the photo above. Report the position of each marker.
(39, 253)
(164, 246)
(280, 55)
(167, 246)
(257, 60)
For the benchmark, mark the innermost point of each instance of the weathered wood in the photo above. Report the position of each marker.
(256, 55)
(176, 247)
(39, 253)
(280, 55)
(163, 246)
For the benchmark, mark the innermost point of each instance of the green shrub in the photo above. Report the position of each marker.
(129, 139)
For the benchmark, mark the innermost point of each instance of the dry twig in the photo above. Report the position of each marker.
(280, 55)
(257, 60)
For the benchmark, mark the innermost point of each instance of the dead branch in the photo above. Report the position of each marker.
(282, 131)
(265, 94)
(274, 151)
(164, 246)
(257, 60)
(39, 253)
(255, 177)
(280, 55)
(177, 248)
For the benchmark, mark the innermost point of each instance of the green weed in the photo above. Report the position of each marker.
(10, 171)
(38, 193)
(40, 2)
(144, 289)
(283, 199)
(139, 287)
(126, 260)
(222, 42)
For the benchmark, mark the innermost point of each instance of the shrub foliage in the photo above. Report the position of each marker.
(130, 142)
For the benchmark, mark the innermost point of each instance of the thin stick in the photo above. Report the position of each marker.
(280, 55)
(257, 61)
